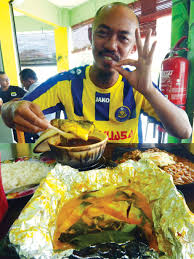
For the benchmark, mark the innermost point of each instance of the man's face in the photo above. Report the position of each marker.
(4, 82)
(26, 83)
(113, 36)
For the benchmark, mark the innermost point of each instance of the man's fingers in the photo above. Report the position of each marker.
(36, 110)
(138, 42)
(147, 43)
(128, 75)
(24, 129)
(22, 122)
(151, 53)
(130, 62)
(122, 71)
(29, 115)
(41, 120)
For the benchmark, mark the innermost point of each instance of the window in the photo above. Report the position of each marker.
(1, 60)
(36, 48)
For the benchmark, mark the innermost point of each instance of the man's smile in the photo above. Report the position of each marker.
(109, 59)
(109, 56)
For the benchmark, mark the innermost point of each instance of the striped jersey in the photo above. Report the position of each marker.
(115, 111)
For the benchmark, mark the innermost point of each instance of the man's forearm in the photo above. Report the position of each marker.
(174, 119)
(7, 111)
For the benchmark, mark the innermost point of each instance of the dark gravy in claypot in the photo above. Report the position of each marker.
(80, 142)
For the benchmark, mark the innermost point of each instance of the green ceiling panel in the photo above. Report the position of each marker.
(53, 16)
(44, 11)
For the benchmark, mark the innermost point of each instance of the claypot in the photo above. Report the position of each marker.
(80, 156)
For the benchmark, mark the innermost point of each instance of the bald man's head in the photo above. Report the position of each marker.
(113, 35)
(103, 9)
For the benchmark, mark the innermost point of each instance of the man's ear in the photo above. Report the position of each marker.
(90, 34)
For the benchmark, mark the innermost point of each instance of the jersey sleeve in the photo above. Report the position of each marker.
(149, 111)
(47, 94)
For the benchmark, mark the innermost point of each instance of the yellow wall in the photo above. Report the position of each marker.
(7, 44)
(61, 43)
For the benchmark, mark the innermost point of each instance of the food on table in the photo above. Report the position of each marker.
(107, 215)
(134, 197)
(22, 173)
(82, 146)
(181, 169)
(81, 129)
(59, 140)
(160, 158)
(79, 133)
(181, 173)
(41, 144)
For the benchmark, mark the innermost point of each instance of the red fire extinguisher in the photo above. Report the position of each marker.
(174, 76)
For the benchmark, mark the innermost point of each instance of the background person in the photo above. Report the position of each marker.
(105, 93)
(9, 92)
(30, 82)
(29, 79)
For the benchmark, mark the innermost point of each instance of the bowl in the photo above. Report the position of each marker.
(80, 155)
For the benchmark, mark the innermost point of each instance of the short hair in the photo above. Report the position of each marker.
(2, 73)
(28, 73)
(113, 4)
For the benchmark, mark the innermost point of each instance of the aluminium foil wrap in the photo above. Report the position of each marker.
(32, 233)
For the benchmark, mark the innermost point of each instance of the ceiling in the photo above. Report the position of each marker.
(56, 12)
(59, 3)
(67, 3)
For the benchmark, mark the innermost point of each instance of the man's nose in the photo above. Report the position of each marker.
(112, 43)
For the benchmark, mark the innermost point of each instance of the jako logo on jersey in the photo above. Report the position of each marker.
(102, 100)
(122, 113)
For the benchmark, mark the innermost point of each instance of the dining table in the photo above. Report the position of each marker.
(12, 151)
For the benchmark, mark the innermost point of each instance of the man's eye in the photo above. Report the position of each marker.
(123, 38)
(102, 33)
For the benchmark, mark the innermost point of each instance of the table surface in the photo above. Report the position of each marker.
(112, 152)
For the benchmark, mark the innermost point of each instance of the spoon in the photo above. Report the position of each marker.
(62, 133)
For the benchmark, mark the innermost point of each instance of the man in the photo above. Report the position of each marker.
(105, 93)
(9, 92)
(29, 79)
(30, 82)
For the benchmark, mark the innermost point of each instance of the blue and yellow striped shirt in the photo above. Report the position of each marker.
(115, 111)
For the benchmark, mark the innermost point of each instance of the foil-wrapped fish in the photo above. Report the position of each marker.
(33, 232)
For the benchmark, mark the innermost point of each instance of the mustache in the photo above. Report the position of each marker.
(112, 53)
